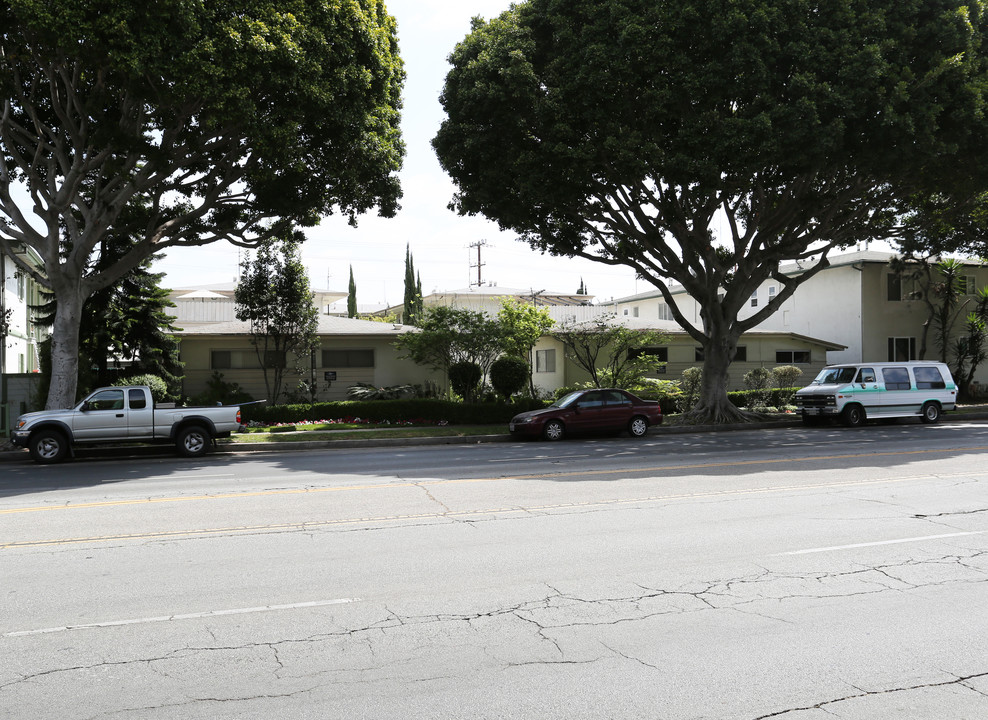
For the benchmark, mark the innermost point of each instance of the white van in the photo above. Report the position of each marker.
(855, 392)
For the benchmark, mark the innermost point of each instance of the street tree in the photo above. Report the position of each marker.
(705, 143)
(274, 296)
(185, 123)
(123, 325)
(522, 324)
(609, 351)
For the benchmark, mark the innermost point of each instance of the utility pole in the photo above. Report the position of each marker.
(479, 244)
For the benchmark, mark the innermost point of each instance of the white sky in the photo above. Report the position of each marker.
(439, 239)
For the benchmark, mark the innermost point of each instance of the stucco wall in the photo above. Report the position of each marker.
(388, 368)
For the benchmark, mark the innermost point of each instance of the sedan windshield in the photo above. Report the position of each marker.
(567, 400)
(835, 375)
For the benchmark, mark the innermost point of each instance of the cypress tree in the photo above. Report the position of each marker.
(351, 300)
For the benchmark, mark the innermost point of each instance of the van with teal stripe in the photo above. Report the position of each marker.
(858, 392)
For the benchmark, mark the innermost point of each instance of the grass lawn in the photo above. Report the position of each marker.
(362, 432)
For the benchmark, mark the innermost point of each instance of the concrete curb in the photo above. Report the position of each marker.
(9, 454)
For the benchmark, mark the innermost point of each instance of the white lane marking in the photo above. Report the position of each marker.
(537, 457)
(881, 542)
(185, 616)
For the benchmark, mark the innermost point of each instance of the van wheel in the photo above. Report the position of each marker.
(853, 416)
(931, 413)
(48, 447)
(192, 441)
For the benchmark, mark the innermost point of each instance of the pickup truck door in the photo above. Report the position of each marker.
(101, 416)
(140, 417)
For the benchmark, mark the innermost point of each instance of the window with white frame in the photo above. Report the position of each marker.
(754, 299)
(665, 312)
(771, 292)
(545, 361)
(902, 349)
(898, 288)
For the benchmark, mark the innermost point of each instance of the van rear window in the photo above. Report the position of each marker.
(896, 378)
(929, 378)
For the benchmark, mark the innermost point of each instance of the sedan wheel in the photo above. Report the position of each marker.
(638, 427)
(553, 430)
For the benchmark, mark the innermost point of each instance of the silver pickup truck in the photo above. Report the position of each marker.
(122, 414)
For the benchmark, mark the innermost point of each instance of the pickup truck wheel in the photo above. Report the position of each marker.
(192, 441)
(48, 447)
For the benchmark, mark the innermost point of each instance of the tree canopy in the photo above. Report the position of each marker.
(705, 143)
(182, 123)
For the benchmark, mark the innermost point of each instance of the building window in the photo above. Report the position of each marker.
(275, 359)
(741, 354)
(665, 313)
(894, 287)
(771, 292)
(21, 285)
(233, 359)
(634, 311)
(545, 361)
(626, 311)
(660, 353)
(220, 360)
(754, 299)
(347, 358)
(902, 349)
(698, 354)
(967, 285)
(792, 357)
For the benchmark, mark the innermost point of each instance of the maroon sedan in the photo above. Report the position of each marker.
(589, 411)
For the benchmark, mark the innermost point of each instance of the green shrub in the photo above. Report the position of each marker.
(787, 379)
(159, 389)
(464, 378)
(757, 382)
(509, 375)
(689, 387)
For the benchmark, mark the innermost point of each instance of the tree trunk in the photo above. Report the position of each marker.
(714, 407)
(65, 351)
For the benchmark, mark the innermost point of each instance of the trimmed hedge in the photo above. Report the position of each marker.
(416, 409)
(432, 410)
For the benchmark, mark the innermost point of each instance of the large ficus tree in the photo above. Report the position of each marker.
(185, 122)
(632, 131)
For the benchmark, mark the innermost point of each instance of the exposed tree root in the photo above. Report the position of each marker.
(719, 414)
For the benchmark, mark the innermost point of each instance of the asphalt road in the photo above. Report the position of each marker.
(791, 573)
